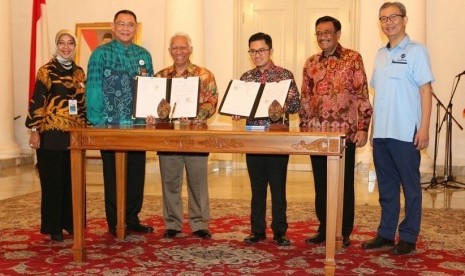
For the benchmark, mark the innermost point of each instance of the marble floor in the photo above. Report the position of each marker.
(230, 182)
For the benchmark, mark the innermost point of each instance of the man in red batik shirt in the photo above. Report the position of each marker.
(335, 95)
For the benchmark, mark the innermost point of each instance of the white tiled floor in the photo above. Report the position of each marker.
(230, 183)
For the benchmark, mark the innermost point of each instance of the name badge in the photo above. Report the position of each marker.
(72, 105)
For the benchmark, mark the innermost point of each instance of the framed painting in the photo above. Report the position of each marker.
(91, 35)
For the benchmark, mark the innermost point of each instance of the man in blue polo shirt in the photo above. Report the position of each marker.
(402, 79)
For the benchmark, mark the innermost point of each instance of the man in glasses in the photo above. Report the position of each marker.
(109, 96)
(268, 169)
(402, 79)
(335, 96)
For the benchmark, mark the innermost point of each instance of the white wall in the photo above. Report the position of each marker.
(444, 32)
(219, 46)
(65, 14)
(21, 13)
(445, 39)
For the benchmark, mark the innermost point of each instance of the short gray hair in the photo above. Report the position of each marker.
(400, 6)
(182, 34)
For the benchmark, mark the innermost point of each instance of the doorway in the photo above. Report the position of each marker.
(291, 25)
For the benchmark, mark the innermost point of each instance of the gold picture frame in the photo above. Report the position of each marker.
(90, 35)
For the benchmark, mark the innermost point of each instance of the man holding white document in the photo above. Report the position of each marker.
(272, 169)
(172, 163)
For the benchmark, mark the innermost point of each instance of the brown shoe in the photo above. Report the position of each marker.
(403, 247)
(377, 242)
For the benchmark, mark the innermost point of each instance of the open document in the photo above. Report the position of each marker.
(180, 92)
(252, 99)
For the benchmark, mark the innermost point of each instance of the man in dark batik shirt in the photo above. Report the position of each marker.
(272, 169)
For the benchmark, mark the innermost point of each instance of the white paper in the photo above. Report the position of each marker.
(150, 91)
(240, 98)
(185, 94)
(273, 91)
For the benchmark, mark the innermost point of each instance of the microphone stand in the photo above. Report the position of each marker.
(448, 118)
(434, 180)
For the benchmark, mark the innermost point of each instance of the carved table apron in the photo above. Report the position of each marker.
(211, 139)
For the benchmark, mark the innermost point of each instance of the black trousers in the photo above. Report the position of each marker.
(135, 186)
(319, 166)
(55, 181)
(264, 169)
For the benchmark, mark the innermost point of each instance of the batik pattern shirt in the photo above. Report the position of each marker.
(208, 97)
(49, 105)
(335, 93)
(110, 81)
(274, 74)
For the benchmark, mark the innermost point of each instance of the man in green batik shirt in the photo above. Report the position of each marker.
(109, 94)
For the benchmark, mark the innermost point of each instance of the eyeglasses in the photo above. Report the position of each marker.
(324, 33)
(122, 25)
(392, 18)
(260, 52)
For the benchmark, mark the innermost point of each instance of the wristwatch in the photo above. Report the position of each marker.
(34, 129)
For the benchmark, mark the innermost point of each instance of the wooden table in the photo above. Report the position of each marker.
(213, 139)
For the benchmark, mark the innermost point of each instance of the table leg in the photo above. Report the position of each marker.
(78, 178)
(334, 186)
(340, 202)
(121, 175)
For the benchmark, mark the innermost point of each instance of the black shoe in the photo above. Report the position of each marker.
(254, 238)
(203, 234)
(282, 240)
(317, 238)
(112, 231)
(377, 242)
(56, 237)
(345, 241)
(403, 247)
(140, 228)
(170, 233)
